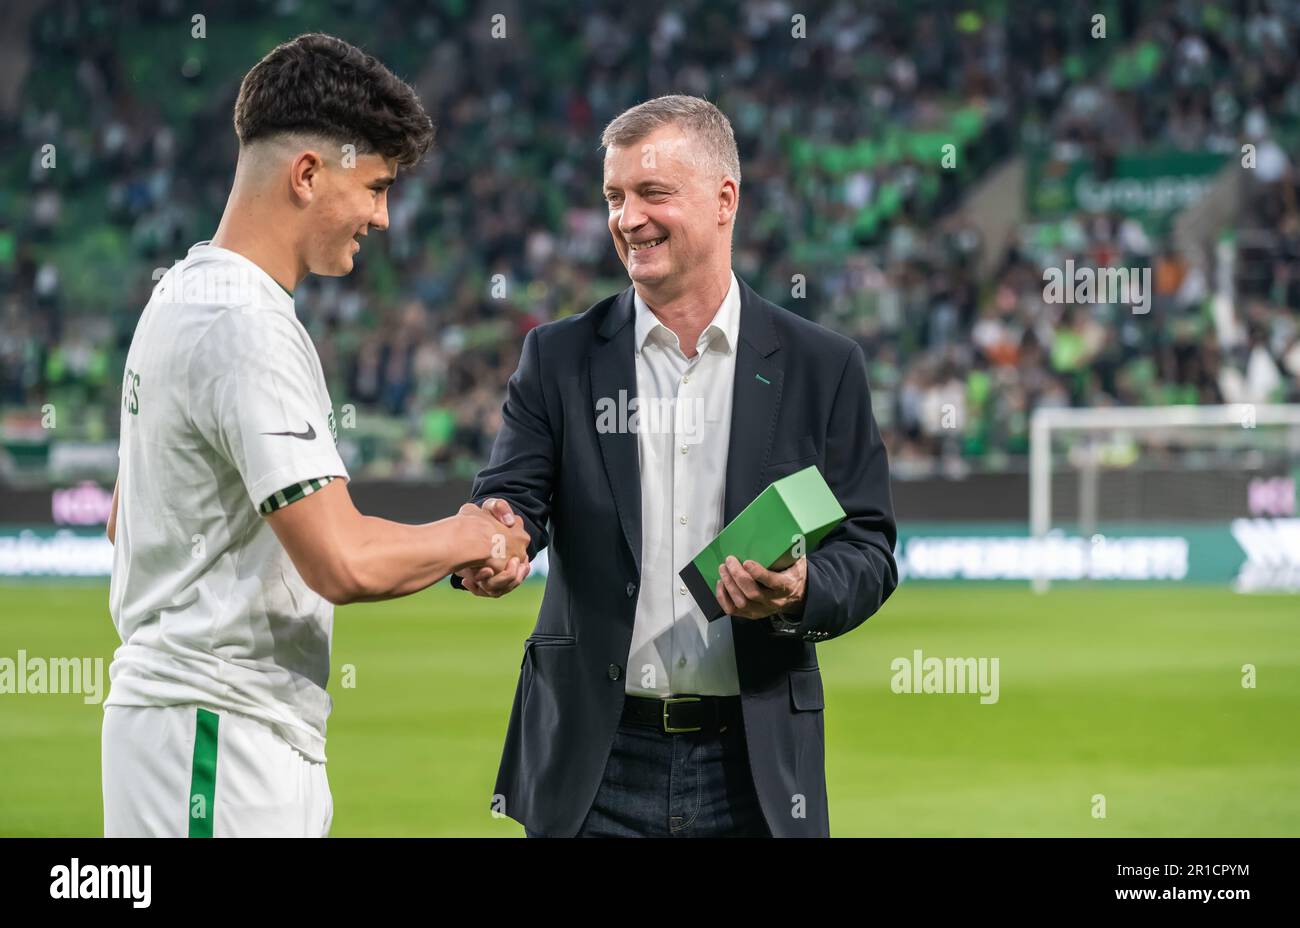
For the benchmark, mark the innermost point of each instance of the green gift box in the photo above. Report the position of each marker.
(766, 531)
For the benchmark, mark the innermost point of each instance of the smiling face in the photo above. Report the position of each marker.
(346, 203)
(670, 213)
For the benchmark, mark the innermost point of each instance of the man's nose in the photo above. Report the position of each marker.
(631, 217)
(380, 219)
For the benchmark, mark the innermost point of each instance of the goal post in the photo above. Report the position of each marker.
(1144, 463)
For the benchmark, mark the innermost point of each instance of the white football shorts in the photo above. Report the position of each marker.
(186, 771)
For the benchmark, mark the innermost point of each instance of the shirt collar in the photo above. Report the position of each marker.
(720, 334)
(270, 291)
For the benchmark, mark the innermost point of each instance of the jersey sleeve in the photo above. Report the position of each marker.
(257, 396)
(292, 494)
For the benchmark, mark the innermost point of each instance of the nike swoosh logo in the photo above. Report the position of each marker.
(308, 435)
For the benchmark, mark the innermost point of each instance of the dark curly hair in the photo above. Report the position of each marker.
(323, 85)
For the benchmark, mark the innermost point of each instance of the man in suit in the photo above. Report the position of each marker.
(631, 435)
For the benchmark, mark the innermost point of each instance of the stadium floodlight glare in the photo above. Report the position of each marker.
(1186, 440)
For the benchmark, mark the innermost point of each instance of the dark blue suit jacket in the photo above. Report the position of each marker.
(578, 491)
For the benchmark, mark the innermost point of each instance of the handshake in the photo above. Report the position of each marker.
(498, 541)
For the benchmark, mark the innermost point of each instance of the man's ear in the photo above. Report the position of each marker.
(304, 175)
(728, 200)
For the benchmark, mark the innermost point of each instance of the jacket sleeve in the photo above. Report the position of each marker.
(852, 572)
(521, 470)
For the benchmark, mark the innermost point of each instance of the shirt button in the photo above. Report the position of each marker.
(686, 378)
(682, 661)
(683, 449)
(614, 671)
(682, 590)
(631, 588)
(682, 520)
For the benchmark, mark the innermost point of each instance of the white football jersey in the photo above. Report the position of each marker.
(225, 412)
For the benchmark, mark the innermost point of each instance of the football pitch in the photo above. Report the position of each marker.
(1133, 694)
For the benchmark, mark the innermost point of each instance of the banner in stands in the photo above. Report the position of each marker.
(1150, 185)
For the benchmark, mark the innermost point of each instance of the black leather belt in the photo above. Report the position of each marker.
(706, 714)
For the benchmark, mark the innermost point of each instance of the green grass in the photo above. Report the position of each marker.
(1133, 693)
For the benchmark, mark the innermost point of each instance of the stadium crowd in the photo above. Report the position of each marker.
(126, 149)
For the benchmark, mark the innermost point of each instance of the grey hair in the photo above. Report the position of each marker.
(695, 116)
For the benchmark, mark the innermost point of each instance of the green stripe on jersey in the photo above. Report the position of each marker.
(292, 494)
(203, 774)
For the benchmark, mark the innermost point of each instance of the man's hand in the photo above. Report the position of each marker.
(492, 580)
(750, 591)
(491, 536)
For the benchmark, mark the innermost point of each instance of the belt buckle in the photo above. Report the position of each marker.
(672, 699)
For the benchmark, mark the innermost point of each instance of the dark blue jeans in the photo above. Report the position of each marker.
(687, 785)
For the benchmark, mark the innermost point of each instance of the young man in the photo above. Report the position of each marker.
(234, 531)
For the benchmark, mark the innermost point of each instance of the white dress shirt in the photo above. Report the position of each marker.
(684, 410)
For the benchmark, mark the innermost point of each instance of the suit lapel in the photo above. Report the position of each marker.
(755, 403)
(613, 380)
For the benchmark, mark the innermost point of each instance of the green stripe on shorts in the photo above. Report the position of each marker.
(203, 774)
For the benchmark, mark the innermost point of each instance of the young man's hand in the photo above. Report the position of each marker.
(494, 578)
